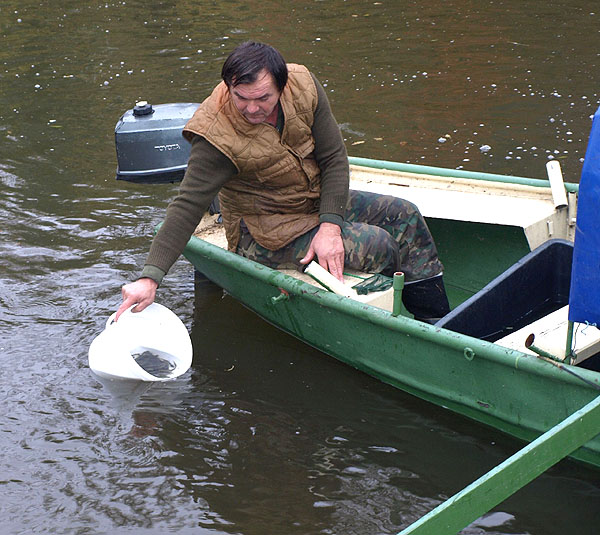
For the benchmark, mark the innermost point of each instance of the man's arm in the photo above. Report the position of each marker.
(208, 169)
(332, 158)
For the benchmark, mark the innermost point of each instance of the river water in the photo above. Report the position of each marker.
(264, 435)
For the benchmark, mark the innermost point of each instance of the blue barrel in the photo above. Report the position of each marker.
(584, 299)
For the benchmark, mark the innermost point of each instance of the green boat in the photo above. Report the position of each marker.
(507, 247)
(513, 390)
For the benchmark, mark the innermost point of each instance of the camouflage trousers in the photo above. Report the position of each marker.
(381, 234)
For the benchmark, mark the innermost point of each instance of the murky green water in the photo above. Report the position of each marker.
(264, 435)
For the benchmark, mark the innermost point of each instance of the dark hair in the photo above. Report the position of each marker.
(248, 59)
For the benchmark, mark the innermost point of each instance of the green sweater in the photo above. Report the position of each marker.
(208, 169)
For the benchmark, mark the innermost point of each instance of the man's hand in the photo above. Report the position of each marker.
(328, 247)
(140, 292)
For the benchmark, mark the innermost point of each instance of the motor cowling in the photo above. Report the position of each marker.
(149, 142)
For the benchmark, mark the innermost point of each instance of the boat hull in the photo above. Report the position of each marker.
(517, 393)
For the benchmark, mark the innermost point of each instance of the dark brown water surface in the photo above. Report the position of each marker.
(264, 435)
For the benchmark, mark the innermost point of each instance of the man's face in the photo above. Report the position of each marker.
(257, 101)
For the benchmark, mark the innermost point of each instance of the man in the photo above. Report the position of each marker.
(266, 140)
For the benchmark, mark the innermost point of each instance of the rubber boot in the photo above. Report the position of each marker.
(426, 299)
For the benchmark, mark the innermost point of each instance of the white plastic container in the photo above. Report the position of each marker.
(155, 335)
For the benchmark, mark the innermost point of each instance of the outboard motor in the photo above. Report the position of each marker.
(150, 146)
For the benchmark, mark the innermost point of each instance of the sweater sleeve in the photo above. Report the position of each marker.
(332, 158)
(208, 169)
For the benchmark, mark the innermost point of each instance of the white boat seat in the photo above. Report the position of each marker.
(384, 299)
(551, 335)
(528, 207)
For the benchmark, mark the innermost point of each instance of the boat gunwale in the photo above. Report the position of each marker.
(455, 173)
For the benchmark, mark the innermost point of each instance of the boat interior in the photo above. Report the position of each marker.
(529, 299)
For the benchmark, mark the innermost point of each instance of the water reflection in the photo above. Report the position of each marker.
(295, 437)
(262, 453)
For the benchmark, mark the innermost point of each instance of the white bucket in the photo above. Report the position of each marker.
(156, 337)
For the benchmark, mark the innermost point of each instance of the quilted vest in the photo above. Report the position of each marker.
(277, 189)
